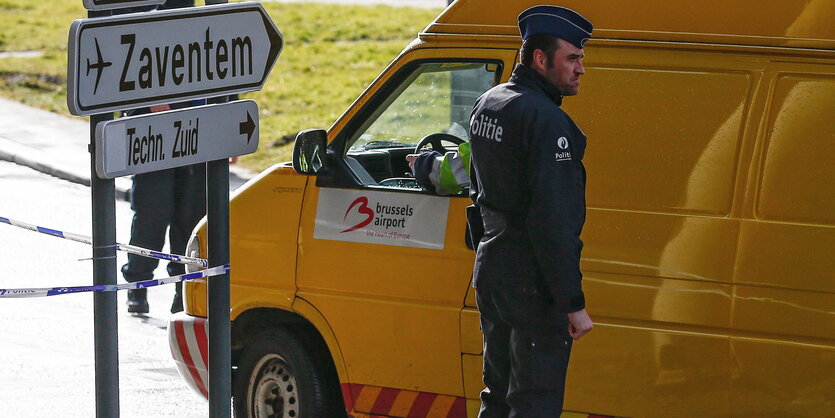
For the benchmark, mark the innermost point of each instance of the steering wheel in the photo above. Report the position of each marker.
(436, 140)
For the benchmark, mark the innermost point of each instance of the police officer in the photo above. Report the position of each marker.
(528, 182)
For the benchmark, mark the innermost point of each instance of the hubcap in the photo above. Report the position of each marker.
(273, 391)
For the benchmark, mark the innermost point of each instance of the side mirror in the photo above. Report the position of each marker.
(309, 151)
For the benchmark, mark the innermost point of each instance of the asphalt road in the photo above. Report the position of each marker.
(46, 344)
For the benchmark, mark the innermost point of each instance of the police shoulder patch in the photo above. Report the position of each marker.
(562, 154)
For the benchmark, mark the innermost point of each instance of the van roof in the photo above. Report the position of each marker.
(779, 23)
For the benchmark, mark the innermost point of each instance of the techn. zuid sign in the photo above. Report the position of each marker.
(157, 141)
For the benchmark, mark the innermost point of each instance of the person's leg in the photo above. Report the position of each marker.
(152, 204)
(539, 349)
(539, 366)
(190, 207)
(496, 371)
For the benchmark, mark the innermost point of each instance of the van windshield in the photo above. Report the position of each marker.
(436, 97)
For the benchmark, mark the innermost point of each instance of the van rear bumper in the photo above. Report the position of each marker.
(188, 340)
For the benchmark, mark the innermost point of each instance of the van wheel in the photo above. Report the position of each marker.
(278, 378)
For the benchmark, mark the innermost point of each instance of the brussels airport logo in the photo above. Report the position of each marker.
(363, 209)
(383, 216)
(565, 154)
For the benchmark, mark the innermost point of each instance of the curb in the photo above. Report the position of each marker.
(37, 160)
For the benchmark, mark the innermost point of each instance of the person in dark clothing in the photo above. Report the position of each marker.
(172, 199)
(528, 183)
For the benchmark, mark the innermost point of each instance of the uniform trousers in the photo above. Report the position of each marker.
(526, 352)
(173, 200)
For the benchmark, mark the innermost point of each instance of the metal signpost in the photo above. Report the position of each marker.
(105, 320)
(143, 59)
(158, 141)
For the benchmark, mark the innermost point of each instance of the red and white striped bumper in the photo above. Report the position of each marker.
(363, 401)
(188, 340)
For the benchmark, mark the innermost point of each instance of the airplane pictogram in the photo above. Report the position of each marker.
(99, 66)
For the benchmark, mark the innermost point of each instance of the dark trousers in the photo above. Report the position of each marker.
(173, 200)
(526, 351)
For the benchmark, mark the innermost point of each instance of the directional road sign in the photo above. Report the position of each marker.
(117, 4)
(142, 59)
(157, 141)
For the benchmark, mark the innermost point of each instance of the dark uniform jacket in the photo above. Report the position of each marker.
(529, 184)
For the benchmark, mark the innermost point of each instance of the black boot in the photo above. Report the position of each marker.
(177, 305)
(138, 301)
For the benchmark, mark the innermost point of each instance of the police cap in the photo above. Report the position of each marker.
(556, 21)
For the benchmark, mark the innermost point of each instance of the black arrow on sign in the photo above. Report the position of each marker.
(247, 127)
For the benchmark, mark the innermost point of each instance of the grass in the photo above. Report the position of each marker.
(331, 53)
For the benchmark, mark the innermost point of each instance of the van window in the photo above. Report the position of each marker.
(798, 182)
(435, 97)
(432, 97)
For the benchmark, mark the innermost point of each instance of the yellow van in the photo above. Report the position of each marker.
(709, 255)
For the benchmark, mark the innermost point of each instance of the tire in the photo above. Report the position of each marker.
(279, 377)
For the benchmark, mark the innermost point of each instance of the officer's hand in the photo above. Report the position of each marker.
(579, 324)
(411, 159)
